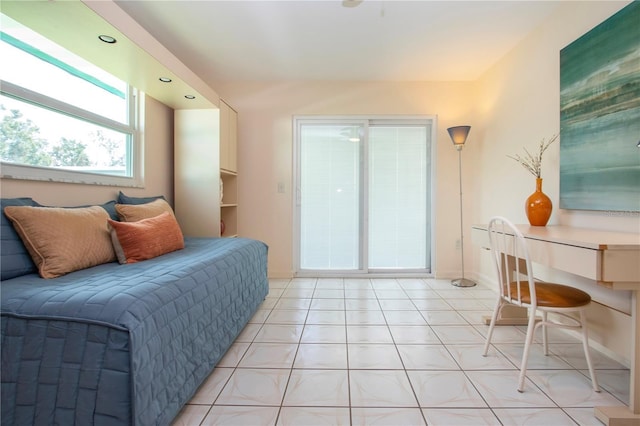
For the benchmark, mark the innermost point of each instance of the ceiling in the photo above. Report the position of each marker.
(300, 40)
(74, 26)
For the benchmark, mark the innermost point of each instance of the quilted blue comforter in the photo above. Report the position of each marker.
(125, 344)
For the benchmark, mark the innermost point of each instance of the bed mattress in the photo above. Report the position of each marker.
(125, 344)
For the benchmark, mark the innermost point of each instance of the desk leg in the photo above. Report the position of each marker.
(623, 416)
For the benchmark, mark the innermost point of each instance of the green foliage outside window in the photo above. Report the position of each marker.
(21, 143)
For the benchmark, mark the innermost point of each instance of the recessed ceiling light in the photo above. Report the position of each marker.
(165, 79)
(189, 96)
(107, 39)
(351, 3)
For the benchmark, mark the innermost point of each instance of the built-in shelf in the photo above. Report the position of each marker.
(229, 203)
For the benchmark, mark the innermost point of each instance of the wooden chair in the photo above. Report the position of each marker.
(518, 287)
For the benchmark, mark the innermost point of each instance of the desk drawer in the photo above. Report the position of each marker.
(621, 266)
(575, 260)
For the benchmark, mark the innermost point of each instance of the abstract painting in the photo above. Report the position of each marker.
(600, 116)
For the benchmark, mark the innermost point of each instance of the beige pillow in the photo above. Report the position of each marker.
(63, 240)
(136, 212)
(146, 239)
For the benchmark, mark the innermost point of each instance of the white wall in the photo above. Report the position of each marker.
(518, 105)
(266, 148)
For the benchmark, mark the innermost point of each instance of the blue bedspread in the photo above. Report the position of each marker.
(125, 344)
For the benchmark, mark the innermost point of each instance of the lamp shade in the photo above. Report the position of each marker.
(459, 135)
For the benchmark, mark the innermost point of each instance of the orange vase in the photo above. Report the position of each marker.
(538, 206)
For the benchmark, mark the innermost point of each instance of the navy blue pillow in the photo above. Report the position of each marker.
(109, 206)
(15, 260)
(125, 199)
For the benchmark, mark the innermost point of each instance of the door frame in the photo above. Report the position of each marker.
(365, 120)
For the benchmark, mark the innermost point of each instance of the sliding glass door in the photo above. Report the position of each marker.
(363, 195)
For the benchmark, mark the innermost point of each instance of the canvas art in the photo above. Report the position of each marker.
(600, 116)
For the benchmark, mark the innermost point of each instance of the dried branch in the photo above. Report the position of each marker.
(534, 163)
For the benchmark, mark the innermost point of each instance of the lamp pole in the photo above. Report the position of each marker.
(459, 136)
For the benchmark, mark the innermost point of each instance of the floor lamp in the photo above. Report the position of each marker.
(459, 135)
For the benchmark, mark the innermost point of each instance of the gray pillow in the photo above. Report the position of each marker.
(15, 260)
(125, 199)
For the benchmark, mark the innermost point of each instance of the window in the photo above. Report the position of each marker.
(62, 118)
(363, 200)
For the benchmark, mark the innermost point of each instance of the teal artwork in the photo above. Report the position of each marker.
(600, 116)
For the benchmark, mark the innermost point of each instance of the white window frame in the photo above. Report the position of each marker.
(362, 271)
(52, 174)
(134, 147)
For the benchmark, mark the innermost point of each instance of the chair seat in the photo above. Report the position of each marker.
(551, 295)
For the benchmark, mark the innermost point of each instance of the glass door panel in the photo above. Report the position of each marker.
(398, 203)
(330, 196)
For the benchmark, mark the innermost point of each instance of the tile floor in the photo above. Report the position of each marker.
(394, 352)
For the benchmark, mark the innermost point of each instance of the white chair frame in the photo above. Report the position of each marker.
(511, 259)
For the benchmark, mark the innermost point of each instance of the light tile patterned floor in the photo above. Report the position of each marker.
(394, 352)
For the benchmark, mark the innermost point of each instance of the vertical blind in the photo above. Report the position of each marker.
(330, 197)
(398, 197)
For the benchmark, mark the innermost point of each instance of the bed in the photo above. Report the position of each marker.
(125, 344)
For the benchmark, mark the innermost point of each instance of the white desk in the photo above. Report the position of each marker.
(612, 259)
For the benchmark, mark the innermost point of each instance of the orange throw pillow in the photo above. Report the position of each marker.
(145, 239)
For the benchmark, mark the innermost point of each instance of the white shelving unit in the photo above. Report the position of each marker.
(205, 155)
(229, 205)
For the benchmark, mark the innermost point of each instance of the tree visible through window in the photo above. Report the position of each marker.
(22, 142)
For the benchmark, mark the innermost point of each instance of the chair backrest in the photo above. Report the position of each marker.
(511, 258)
